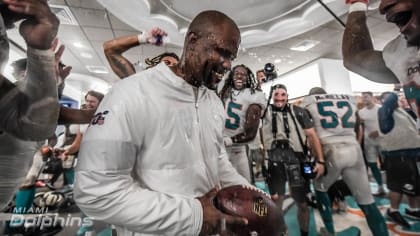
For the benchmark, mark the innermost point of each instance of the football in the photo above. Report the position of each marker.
(264, 218)
(48, 199)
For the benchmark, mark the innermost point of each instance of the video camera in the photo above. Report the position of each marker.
(270, 71)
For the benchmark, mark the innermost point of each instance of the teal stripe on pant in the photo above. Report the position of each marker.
(376, 172)
(375, 220)
(324, 207)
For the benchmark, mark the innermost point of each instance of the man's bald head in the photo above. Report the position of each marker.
(206, 21)
(211, 43)
(317, 90)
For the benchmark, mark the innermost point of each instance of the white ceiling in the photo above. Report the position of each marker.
(96, 25)
(261, 22)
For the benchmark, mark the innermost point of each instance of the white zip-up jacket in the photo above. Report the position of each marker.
(151, 149)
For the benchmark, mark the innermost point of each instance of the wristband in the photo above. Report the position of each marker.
(143, 37)
(227, 141)
(321, 162)
(234, 140)
(358, 6)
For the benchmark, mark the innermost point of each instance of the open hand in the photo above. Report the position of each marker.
(213, 218)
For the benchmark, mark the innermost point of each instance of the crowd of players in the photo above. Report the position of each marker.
(163, 141)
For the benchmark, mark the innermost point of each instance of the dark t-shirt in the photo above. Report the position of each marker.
(303, 117)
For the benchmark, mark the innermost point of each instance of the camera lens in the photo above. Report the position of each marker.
(268, 68)
(270, 71)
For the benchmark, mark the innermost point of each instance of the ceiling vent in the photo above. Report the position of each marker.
(64, 14)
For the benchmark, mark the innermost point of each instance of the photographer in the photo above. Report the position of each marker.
(286, 128)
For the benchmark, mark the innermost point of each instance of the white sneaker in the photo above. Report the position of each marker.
(342, 206)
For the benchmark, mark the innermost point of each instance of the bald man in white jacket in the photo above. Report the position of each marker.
(154, 152)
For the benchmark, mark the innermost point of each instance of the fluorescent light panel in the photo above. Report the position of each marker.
(304, 45)
(97, 69)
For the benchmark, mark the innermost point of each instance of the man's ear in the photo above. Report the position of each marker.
(192, 37)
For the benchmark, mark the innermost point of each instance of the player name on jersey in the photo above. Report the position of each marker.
(331, 96)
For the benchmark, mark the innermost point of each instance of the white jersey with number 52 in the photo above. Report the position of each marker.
(334, 116)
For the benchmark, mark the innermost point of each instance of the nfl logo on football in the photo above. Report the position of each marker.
(259, 207)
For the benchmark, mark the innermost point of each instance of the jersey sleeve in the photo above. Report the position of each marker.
(303, 117)
(260, 100)
(385, 118)
(393, 48)
(306, 102)
(105, 188)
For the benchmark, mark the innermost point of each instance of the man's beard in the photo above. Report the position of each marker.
(208, 80)
(280, 104)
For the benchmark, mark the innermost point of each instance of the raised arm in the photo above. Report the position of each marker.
(31, 111)
(113, 51)
(74, 116)
(359, 55)
(116, 47)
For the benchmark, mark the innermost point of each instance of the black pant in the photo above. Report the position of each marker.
(288, 170)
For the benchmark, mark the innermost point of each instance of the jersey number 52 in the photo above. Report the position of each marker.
(329, 110)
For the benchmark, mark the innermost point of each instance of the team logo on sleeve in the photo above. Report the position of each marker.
(99, 118)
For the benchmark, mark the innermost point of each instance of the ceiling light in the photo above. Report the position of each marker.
(304, 45)
(277, 61)
(97, 69)
(78, 45)
(86, 55)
